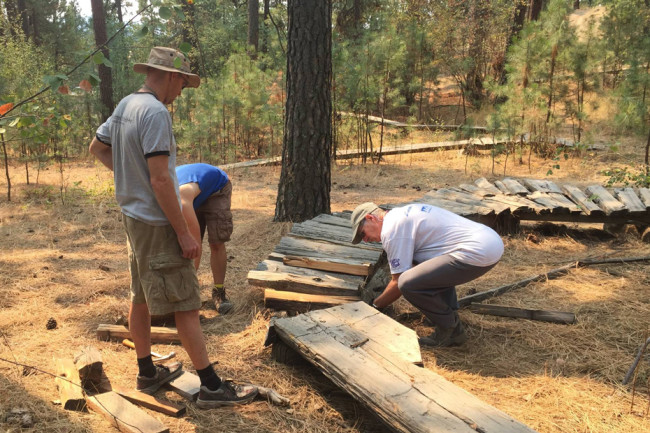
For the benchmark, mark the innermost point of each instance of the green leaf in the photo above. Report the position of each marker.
(179, 12)
(178, 63)
(94, 79)
(108, 63)
(63, 123)
(165, 13)
(185, 47)
(143, 31)
(98, 58)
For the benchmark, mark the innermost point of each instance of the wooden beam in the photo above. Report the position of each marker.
(159, 334)
(123, 415)
(151, 402)
(290, 301)
(522, 313)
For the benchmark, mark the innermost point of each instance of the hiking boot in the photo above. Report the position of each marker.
(446, 337)
(228, 394)
(164, 374)
(221, 302)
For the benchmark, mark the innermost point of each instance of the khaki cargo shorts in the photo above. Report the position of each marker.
(160, 276)
(215, 214)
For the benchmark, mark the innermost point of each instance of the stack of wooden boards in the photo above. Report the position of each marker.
(374, 358)
(505, 202)
(315, 266)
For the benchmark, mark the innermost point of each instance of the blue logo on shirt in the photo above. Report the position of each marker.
(394, 263)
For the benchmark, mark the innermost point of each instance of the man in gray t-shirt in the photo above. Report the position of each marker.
(138, 144)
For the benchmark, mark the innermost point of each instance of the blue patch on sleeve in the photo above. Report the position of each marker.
(394, 263)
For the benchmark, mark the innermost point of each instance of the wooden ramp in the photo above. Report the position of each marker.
(373, 358)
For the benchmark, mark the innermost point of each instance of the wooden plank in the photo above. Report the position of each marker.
(333, 220)
(579, 198)
(311, 229)
(476, 190)
(452, 206)
(159, 334)
(522, 313)
(644, 194)
(514, 186)
(535, 185)
(563, 200)
(605, 200)
(279, 266)
(518, 204)
(291, 301)
(632, 202)
(547, 200)
(152, 402)
(187, 385)
(552, 187)
(313, 285)
(69, 385)
(406, 397)
(291, 246)
(485, 184)
(123, 415)
(465, 198)
(333, 265)
(502, 187)
(374, 326)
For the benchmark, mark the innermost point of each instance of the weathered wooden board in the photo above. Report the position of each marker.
(406, 397)
(69, 385)
(605, 200)
(334, 265)
(314, 285)
(311, 229)
(333, 220)
(123, 415)
(152, 402)
(644, 194)
(523, 313)
(632, 202)
(452, 206)
(187, 385)
(485, 184)
(468, 199)
(301, 302)
(159, 334)
(88, 362)
(281, 266)
(290, 246)
(514, 186)
(549, 201)
(578, 197)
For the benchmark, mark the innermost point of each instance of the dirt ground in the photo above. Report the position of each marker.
(68, 262)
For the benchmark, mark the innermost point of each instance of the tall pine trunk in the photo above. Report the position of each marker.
(106, 84)
(304, 189)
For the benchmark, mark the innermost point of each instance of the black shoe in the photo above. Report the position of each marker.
(446, 337)
(228, 394)
(221, 302)
(164, 374)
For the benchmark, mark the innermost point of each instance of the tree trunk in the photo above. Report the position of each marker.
(253, 27)
(106, 84)
(6, 158)
(304, 189)
(550, 89)
(534, 9)
(189, 35)
(118, 10)
(24, 17)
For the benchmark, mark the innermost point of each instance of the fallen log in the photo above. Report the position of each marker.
(523, 313)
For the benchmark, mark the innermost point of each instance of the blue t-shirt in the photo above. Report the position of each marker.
(210, 179)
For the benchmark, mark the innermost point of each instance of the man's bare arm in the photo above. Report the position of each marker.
(163, 188)
(102, 152)
(390, 294)
(189, 191)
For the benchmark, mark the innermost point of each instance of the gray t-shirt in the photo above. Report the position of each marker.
(139, 128)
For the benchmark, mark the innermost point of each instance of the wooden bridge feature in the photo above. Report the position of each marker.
(374, 359)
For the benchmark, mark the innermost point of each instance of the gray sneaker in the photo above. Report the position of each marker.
(228, 394)
(221, 302)
(164, 374)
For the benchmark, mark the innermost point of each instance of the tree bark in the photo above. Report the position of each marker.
(6, 160)
(253, 27)
(106, 84)
(534, 9)
(304, 188)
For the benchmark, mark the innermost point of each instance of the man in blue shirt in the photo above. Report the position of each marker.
(205, 197)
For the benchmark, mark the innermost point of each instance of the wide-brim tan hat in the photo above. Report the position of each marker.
(164, 58)
(358, 215)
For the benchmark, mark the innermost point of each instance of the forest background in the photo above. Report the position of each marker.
(517, 67)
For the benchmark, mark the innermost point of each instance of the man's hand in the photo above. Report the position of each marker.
(189, 245)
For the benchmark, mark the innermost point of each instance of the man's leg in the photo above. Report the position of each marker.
(218, 261)
(189, 330)
(140, 328)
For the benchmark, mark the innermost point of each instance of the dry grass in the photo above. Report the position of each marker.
(555, 378)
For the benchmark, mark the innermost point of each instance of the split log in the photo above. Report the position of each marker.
(578, 197)
(123, 415)
(88, 362)
(69, 385)
(522, 313)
